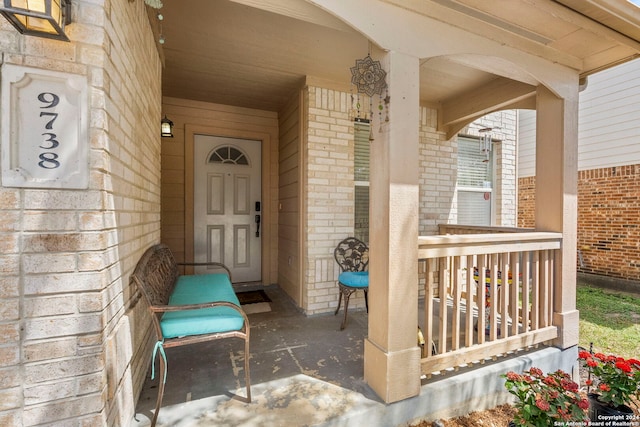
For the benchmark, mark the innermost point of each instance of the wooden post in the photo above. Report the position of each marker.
(556, 200)
(391, 352)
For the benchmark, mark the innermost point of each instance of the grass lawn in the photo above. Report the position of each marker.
(609, 320)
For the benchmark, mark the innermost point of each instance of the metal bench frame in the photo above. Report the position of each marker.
(155, 276)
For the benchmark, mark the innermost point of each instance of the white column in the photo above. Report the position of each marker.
(391, 354)
(556, 199)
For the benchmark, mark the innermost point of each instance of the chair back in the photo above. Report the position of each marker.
(352, 254)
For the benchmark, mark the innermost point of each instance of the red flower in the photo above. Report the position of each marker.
(583, 404)
(546, 399)
(583, 354)
(569, 385)
(536, 372)
(634, 362)
(589, 382)
(623, 366)
(619, 379)
(512, 376)
(542, 404)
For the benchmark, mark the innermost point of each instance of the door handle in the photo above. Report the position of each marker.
(258, 224)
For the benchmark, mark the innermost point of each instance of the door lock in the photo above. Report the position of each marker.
(258, 224)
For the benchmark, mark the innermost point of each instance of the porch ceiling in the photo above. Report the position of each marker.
(256, 53)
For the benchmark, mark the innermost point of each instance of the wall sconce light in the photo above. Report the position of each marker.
(44, 18)
(166, 128)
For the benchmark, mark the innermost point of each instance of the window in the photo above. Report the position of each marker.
(475, 182)
(228, 154)
(361, 178)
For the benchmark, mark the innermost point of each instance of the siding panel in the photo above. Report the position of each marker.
(609, 122)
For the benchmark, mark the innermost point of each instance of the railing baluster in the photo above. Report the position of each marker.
(516, 296)
(482, 298)
(471, 287)
(456, 295)
(535, 291)
(504, 295)
(428, 305)
(442, 315)
(526, 290)
(493, 295)
(519, 312)
(544, 288)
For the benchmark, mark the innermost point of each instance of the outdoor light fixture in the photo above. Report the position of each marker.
(43, 18)
(166, 128)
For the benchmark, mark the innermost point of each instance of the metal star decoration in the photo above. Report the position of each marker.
(368, 76)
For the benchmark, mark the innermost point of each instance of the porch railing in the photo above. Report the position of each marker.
(469, 316)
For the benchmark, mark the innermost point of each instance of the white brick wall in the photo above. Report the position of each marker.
(438, 165)
(65, 254)
(330, 186)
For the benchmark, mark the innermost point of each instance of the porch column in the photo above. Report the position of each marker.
(556, 199)
(391, 354)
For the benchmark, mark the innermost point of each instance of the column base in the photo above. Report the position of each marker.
(568, 324)
(393, 376)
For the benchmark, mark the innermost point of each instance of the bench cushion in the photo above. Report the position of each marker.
(354, 279)
(200, 289)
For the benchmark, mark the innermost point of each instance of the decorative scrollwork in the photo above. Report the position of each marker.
(368, 76)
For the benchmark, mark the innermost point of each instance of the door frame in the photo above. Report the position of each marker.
(265, 191)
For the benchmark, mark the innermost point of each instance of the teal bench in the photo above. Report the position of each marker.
(188, 309)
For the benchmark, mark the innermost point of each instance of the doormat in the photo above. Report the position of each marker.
(253, 297)
(253, 302)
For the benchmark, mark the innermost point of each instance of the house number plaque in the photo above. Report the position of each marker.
(44, 128)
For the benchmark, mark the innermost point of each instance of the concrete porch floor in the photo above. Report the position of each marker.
(306, 372)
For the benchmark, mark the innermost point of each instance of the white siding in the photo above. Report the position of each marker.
(526, 143)
(609, 122)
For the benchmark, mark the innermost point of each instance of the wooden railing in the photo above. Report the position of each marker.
(465, 322)
(479, 229)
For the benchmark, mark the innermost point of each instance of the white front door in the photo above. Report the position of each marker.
(227, 184)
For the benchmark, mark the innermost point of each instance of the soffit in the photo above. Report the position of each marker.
(256, 53)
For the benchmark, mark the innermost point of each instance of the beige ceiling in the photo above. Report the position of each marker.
(256, 53)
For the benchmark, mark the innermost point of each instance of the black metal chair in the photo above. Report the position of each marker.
(352, 255)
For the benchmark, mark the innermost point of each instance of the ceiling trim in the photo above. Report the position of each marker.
(300, 10)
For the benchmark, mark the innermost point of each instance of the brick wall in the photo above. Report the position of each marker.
(608, 220)
(69, 354)
(527, 202)
(329, 187)
(438, 174)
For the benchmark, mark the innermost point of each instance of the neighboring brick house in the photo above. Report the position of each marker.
(608, 174)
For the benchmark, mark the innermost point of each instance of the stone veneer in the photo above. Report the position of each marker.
(608, 220)
(72, 352)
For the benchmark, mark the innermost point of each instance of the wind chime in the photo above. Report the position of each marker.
(486, 142)
(369, 79)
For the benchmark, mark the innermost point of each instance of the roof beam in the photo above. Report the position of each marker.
(471, 105)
